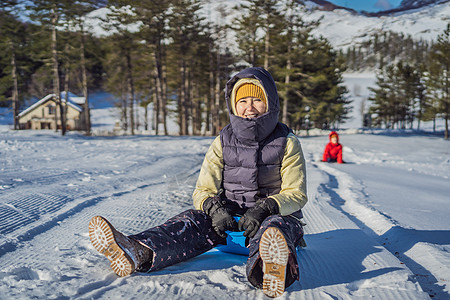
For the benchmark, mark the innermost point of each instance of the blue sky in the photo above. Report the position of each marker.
(368, 5)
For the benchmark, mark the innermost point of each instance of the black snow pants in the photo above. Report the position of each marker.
(190, 234)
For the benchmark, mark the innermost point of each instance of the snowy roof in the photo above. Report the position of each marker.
(73, 98)
(74, 102)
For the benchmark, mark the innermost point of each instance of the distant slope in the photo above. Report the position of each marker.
(404, 6)
(328, 6)
(407, 5)
(344, 28)
(410, 4)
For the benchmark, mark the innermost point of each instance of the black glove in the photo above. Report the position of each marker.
(222, 220)
(253, 217)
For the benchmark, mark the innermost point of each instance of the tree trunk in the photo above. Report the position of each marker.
(66, 96)
(15, 93)
(136, 113)
(286, 89)
(193, 108)
(216, 127)
(253, 51)
(56, 88)
(130, 88)
(86, 112)
(446, 128)
(266, 48)
(447, 102)
(182, 100)
(124, 111)
(180, 105)
(156, 102)
(164, 98)
(187, 99)
(206, 101)
(210, 102)
(154, 114)
(146, 116)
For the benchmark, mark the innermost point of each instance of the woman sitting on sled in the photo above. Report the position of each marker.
(254, 170)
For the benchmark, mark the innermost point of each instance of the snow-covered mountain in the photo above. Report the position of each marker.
(328, 6)
(403, 6)
(343, 27)
(408, 4)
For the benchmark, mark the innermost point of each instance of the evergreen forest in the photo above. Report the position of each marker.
(413, 81)
(166, 53)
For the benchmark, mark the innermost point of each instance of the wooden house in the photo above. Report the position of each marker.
(43, 113)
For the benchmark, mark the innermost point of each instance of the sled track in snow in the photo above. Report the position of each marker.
(341, 259)
(20, 219)
(344, 193)
(25, 213)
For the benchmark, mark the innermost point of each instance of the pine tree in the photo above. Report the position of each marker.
(439, 76)
(423, 100)
(200, 87)
(185, 30)
(154, 15)
(123, 46)
(400, 96)
(11, 31)
(246, 27)
(323, 91)
(379, 100)
(220, 60)
(52, 14)
(288, 52)
(75, 21)
(144, 77)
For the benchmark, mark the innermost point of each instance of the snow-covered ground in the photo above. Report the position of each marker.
(378, 226)
(358, 85)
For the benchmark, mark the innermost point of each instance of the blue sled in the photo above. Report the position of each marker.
(235, 243)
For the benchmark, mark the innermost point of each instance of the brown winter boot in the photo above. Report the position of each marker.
(274, 254)
(125, 254)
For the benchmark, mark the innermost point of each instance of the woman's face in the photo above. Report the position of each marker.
(250, 107)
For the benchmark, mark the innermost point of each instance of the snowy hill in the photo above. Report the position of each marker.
(344, 28)
(375, 8)
(413, 4)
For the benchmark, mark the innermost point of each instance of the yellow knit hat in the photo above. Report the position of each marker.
(250, 90)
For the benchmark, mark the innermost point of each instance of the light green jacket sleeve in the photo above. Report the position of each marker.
(292, 196)
(210, 178)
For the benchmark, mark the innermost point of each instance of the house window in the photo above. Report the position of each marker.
(51, 109)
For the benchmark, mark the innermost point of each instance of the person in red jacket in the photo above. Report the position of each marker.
(333, 150)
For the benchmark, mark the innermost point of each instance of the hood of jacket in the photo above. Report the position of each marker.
(333, 133)
(254, 130)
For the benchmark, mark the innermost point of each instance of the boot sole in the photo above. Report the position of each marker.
(274, 254)
(102, 235)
